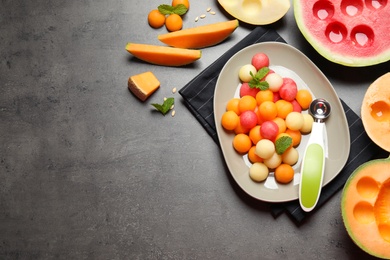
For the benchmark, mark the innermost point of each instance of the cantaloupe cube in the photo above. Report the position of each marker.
(143, 85)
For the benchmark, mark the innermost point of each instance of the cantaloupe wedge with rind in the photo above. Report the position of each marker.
(347, 32)
(365, 207)
(256, 12)
(200, 36)
(163, 55)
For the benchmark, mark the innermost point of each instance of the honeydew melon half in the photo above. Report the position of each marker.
(256, 12)
(353, 33)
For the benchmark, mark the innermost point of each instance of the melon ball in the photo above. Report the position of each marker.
(260, 60)
(275, 81)
(290, 156)
(274, 161)
(265, 148)
(245, 72)
(307, 123)
(296, 106)
(248, 119)
(258, 172)
(294, 121)
(246, 90)
(269, 130)
(288, 91)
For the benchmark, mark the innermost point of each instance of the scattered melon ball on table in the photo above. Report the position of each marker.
(258, 172)
(174, 22)
(186, 3)
(245, 72)
(156, 19)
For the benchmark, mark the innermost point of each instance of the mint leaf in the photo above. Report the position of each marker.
(165, 9)
(262, 72)
(282, 144)
(180, 9)
(168, 9)
(256, 82)
(164, 107)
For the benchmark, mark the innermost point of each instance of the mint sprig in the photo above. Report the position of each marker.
(256, 81)
(168, 9)
(164, 107)
(282, 144)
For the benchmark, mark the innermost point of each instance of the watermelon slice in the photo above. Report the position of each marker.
(353, 33)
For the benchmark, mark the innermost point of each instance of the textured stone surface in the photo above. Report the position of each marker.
(87, 171)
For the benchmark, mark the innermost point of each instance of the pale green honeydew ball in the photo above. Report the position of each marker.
(274, 161)
(265, 148)
(275, 81)
(307, 123)
(244, 73)
(290, 156)
(258, 172)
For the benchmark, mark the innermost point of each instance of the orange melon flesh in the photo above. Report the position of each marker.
(143, 85)
(375, 111)
(201, 36)
(163, 55)
(365, 207)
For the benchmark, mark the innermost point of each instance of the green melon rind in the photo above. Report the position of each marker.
(344, 59)
(354, 175)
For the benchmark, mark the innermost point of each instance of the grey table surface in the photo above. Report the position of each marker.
(87, 171)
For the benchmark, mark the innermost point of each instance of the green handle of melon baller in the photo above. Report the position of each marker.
(311, 176)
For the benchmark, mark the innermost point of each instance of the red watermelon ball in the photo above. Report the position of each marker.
(288, 91)
(269, 130)
(296, 106)
(260, 60)
(245, 90)
(248, 119)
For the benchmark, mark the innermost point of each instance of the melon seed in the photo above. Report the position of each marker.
(174, 90)
(202, 16)
(213, 13)
(197, 18)
(208, 9)
(173, 113)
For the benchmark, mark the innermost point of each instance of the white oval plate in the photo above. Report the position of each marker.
(284, 56)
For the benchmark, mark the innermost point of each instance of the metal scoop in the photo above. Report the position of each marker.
(313, 163)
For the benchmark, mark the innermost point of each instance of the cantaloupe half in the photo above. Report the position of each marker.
(375, 111)
(256, 12)
(200, 36)
(365, 207)
(348, 32)
(163, 55)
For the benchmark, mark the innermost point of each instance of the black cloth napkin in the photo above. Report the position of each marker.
(198, 96)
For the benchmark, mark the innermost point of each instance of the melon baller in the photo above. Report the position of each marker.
(313, 163)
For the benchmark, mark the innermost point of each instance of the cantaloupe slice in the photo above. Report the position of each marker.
(375, 111)
(163, 55)
(143, 85)
(257, 12)
(201, 36)
(365, 207)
